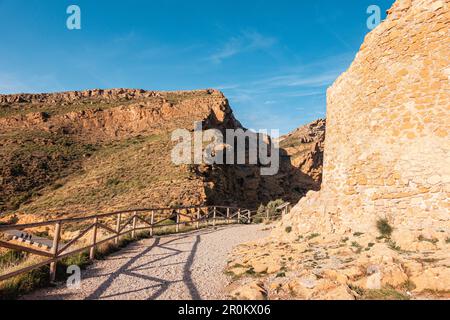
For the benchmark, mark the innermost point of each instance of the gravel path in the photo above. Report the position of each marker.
(184, 266)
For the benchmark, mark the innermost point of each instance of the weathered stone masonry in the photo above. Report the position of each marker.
(387, 149)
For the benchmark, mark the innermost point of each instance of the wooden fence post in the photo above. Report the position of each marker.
(197, 224)
(178, 222)
(267, 214)
(94, 240)
(55, 246)
(249, 215)
(214, 216)
(152, 221)
(228, 215)
(239, 216)
(133, 233)
(119, 218)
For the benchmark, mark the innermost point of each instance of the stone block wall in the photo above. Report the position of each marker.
(387, 149)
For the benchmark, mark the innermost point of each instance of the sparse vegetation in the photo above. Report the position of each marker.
(11, 219)
(271, 207)
(394, 246)
(288, 229)
(112, 182)
(408, 285)
(250, 272)
(384, 228)
(357, 246)
(22, 284)
(427, 260)
(384, 294)
(424, 239)
(11, 258)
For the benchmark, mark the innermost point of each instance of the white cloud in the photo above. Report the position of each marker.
(296, 80)
(11, 83)
(245, 42)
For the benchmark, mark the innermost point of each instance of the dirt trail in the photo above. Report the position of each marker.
(183, 266)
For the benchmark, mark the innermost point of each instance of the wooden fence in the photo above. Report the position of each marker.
(115, 225)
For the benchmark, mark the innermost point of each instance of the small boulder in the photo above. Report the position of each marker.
(434, 279)
(253, 291)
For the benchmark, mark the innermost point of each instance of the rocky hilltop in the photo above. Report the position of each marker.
(380, 226)
(74, 153)
(100, 149)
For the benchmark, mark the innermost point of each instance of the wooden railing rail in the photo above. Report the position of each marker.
(284, 208)
(279, 211)
(114, 225)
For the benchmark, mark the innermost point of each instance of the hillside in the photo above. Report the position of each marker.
(74, 153)
(379, 228)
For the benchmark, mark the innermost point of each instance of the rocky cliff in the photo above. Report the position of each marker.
(380, 226)
(387, 144)
(100, 149)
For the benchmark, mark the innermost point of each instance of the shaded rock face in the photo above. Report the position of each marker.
(388, 126)
(101, 150)
(305, 147)
(301, 159)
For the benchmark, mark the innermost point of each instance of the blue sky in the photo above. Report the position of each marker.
(272, 59)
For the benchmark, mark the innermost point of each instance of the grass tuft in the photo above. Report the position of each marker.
(424, 239)
(357, 246)
(384, 228)
(384, 294)
(312, 236)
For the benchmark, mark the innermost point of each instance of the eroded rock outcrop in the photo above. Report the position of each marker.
(97, 150)
(78, 152)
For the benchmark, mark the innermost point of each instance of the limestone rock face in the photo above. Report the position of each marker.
(388, 131)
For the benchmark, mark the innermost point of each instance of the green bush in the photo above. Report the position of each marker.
(11, 258)
(384, 228)
(13, 288)
(424, 239)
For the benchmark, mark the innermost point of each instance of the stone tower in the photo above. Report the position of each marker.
(387, 149)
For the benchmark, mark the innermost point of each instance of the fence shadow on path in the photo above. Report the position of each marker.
(141, 258)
